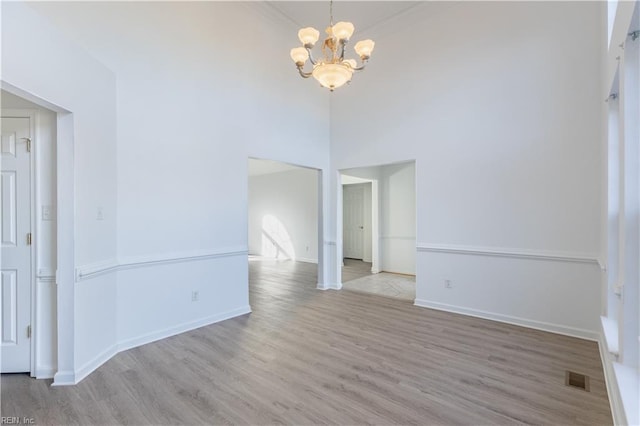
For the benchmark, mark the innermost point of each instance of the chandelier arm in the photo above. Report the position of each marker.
(313, 61)
(363, 63)
(304, 74)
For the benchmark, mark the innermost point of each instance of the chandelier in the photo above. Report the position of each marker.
(332, 70)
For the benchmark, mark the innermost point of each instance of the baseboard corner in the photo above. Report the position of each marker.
(64, 378)
(93, 364)
(45, 373)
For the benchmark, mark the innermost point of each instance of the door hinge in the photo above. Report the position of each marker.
(28, 332)
(29, 239)
(28, 140)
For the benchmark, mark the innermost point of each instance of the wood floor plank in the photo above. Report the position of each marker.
(305, 356)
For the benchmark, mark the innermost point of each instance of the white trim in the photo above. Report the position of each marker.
(86, 272)
(65, 226)
(47, 372)
(523, 322)
(65, 170)
(93, 270)
(615, 400)
(610, 334)
(602, 264)
(391, 271)
(305, 260)
(67, 378)
(329, 286)
(397, 237)
(35, 234)
(182, 328)
(191, 256)
(64, 378)
(91, 365)
(628, 389)
(510, 253)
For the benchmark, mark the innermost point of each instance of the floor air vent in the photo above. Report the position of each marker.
(577, 380)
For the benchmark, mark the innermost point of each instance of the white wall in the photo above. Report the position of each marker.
(45, 67)
(283, 208)
(503, 118)
(398, 218)
(501, 110)
(198, 92)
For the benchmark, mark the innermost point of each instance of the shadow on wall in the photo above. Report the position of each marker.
(276, 242)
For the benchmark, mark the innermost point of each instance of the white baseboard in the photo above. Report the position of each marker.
(389, 271)
(91, 365)
(329, 286)
(67, 378)
(45, 372)
(306, 260)
(615, 399)
(64, 378)
(172, 331)
(538, 325)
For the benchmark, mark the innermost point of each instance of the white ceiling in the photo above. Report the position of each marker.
(266, 167)
(363, 14)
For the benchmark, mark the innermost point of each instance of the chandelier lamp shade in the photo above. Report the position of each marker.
(332, 70)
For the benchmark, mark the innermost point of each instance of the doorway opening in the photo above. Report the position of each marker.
(284, 225)
(378, 229)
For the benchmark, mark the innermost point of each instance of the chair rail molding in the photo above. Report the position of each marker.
(543, 255)
(93, 270)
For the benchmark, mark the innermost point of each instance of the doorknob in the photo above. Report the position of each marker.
(361, 227)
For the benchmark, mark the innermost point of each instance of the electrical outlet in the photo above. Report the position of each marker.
(195, 295)
(307, 248)
(447, 284)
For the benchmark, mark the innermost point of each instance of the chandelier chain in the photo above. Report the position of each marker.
(331, 12)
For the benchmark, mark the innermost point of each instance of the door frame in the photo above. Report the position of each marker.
(376, 205)
(33, 116)
(63, 343)
(375, 223)
(322, 258)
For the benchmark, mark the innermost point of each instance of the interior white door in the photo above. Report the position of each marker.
(15, 228)
(353, 221)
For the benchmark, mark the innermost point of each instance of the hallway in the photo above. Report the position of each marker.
(357, 276)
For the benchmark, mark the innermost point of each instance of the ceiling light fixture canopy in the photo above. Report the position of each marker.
(332, 70)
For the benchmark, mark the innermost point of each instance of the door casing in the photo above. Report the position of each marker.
(32, 115)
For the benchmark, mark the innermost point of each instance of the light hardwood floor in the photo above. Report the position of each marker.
(306, 356)
(353, 269)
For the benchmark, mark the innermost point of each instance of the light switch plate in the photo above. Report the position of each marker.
(47, 212)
